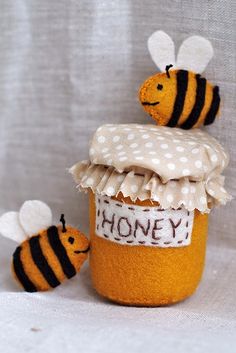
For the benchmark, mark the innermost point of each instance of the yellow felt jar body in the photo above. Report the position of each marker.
(145, 275)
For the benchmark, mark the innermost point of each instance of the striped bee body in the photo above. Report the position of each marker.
(43, 261)
(178, 96)
(196, 102)
(186, 100)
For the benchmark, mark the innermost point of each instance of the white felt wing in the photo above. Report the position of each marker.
(10, 227)
(34, 216)
(162, 49)
(194, 54)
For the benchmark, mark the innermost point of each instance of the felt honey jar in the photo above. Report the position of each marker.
(151, 190)
(152, 187)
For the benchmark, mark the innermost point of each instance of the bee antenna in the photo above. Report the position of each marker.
(167, 70)
(62, 220)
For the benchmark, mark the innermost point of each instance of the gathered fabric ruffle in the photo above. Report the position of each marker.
(144, 184)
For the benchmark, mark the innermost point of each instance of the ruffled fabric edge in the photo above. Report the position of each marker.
(145, 184)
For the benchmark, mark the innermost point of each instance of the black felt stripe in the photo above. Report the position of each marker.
(20, 272)
(41, 262)
(181, 89)
(60, 252)
(215, 103)
(198, 104)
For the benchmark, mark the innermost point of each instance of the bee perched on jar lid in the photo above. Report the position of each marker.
(47, 254)
(179, 96)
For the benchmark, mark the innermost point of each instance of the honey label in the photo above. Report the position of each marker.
(142, 225)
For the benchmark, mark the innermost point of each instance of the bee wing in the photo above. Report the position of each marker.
(162, 49)
(34, 216)
(194, 54)
(10, 227)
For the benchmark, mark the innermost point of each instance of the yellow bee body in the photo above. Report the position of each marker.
(45, 260)
(180, 98)
(47, 254)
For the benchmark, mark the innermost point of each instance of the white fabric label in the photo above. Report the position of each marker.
(140, 225)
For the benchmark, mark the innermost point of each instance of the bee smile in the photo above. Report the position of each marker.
(81, 251)
(148, 103)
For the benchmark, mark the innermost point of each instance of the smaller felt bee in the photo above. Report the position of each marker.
(47, 254)
(179, 96)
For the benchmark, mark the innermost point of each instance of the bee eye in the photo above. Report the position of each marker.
(71, 240)
(159, 87)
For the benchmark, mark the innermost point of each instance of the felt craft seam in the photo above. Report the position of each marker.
(138, 225)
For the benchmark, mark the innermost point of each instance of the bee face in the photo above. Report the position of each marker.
(157, 96)
(75, 243)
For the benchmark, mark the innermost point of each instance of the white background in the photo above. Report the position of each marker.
(67, 67)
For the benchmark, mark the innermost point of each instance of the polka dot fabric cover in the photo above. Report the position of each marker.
(168, 165)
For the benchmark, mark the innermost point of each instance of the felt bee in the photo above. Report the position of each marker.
(47, 254)
(179, 96)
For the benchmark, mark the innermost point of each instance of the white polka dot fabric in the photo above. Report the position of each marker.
(168, 165)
